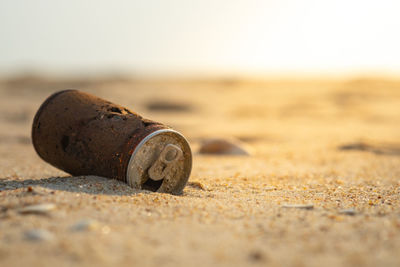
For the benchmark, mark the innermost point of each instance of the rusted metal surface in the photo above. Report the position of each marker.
(86, 135)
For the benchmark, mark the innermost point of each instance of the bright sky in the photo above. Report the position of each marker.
(203, 36)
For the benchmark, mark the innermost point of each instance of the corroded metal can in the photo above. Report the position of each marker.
(86, 135)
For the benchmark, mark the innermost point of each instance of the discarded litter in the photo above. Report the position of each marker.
(85, 135)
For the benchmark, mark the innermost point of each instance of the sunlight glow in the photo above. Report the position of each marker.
(178, 36)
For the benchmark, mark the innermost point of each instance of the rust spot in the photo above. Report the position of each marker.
(83, 134)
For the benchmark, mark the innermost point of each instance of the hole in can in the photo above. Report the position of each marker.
(152, 185)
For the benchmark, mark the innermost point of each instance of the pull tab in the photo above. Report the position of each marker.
(165, 162)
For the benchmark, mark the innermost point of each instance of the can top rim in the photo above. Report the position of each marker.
(146, 153)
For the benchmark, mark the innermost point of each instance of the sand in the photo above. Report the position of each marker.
(321, 186)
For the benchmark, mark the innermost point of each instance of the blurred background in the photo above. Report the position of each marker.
(178, 37)
(261, 71)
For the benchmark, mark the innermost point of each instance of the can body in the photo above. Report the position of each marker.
(86, 135)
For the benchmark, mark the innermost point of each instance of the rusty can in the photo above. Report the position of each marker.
(82, 134)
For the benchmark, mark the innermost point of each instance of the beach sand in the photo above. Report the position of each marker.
(321, 186)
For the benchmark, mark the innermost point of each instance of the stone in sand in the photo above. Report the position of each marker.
(350, 212)
(162, 105)
(222, 147)
(85, 225)
(299, 206)
(37, 209)
(38, 235)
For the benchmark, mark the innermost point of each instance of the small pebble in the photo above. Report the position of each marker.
(222, 147)
(105, 230)
(299, 206)
(37, 209)
(256, 256)
(197, 185)
(85, 225)
(350, 212)
(38, 235)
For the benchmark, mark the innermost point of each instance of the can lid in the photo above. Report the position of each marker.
(161, 162)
